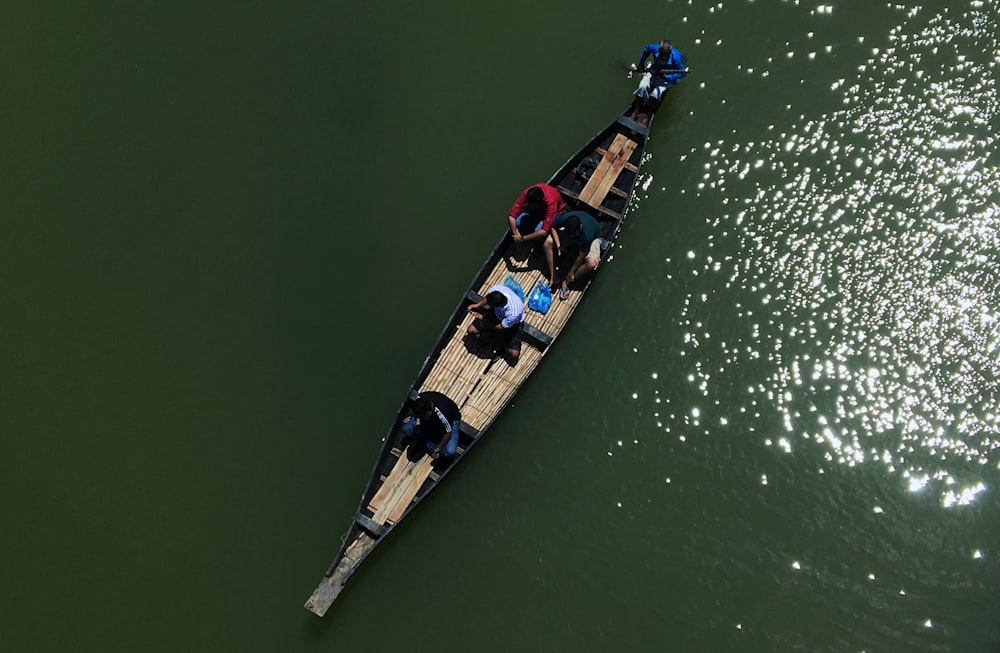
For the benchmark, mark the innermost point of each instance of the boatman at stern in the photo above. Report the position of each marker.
(667, 68)
(532, 214)
(434, 426)
(502, 316)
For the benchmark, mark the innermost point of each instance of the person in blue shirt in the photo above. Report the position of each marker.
(665, 70)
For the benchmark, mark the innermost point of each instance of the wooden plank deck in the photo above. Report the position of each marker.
(399, 489)
(612, 163)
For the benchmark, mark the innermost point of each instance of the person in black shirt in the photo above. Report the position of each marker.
(434, 426)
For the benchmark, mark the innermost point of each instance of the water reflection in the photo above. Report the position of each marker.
(866, 280)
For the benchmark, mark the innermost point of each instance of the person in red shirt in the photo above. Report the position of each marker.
(532, 214)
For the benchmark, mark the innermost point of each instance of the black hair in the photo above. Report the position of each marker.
(534, 195)
(422, 406)
(496, 299)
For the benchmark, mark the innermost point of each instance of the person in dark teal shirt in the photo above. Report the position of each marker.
(577, 234)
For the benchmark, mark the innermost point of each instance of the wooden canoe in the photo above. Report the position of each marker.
(599, 179)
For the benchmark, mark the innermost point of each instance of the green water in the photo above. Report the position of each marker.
(229, 235)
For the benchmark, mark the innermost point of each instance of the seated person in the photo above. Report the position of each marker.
(667, 68)
(532, 214)
(577, 234)
(434, 427)
(502, 315)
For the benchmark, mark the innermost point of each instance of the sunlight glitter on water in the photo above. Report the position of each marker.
(867, 274)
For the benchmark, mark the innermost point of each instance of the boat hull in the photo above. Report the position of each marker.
(601, 179)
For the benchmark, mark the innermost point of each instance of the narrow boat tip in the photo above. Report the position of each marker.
(323, 597)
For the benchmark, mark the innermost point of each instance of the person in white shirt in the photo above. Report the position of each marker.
(502, 313)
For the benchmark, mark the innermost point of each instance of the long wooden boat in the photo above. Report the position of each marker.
(599, 179)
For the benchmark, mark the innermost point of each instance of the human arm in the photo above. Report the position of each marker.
(648, 51)
(676, 63)
(474, 308)
(513, 229)
(447, 431)
(518, 207)
(515, 212)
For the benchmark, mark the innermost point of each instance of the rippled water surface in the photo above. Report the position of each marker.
(865, 271)
(230, 235)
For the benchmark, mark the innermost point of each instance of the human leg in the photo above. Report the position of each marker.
(527, 223)
(591, 260)
(592, 257)
(451, 446)
(413, 440)
(641, 95)
(484, 324)
(549, 247)
(512, 344)
(484, 330)
(645, 83)
(657, 92)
